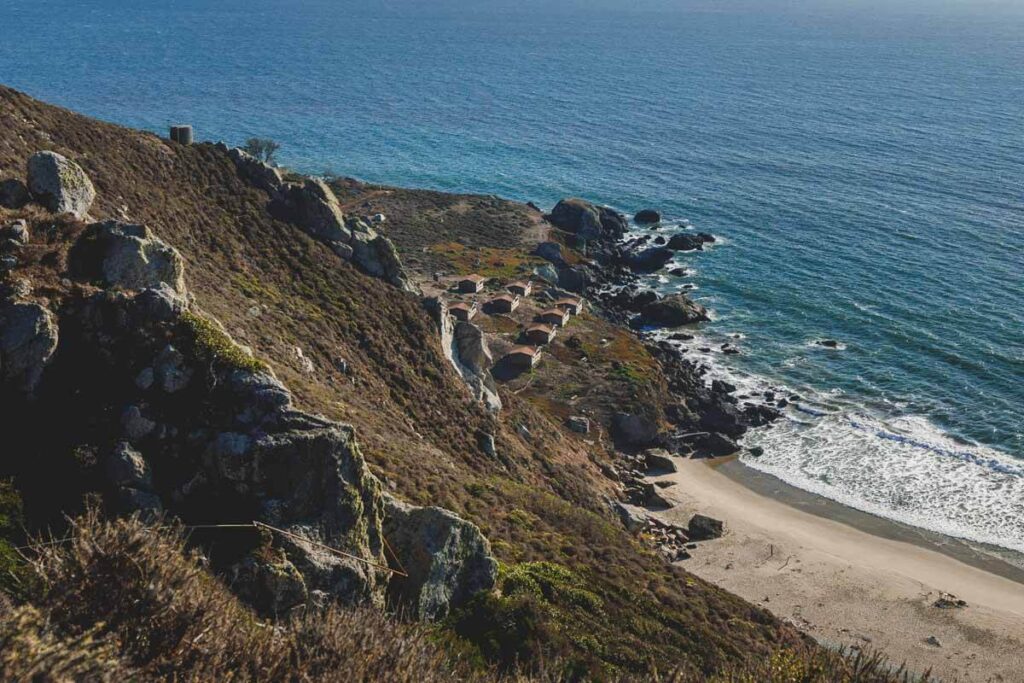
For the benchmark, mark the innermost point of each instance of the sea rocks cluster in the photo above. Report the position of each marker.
(312, 205)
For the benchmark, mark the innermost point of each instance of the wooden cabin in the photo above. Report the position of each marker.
(463, 311)
(524, 357)
(572, 304)
(471, 284)
(540, 334)
(504, 303)
(521, 287)
(553, 316)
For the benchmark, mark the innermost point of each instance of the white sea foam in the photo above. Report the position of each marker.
(901, 468)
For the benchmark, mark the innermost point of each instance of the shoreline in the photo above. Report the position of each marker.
(991, 559)
(847, 578)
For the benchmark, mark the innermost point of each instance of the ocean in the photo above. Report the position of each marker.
(861, 162)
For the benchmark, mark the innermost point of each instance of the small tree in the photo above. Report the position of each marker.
(263, 149)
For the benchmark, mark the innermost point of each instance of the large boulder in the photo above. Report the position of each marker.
(647, 216)
(588, 221)
(28, 340)
(673, 311)
(314, 207)
(688, 241)
(472, 347)
(255, 172)
(630, 429)
(447, 558)
(377, 255)
(704, 528)
(127, 256)
(550, 251)
(60, 184)
(650, 260)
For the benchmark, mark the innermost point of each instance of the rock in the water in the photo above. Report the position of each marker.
(650, 260)
(630, 429)
(704, 528)
(448, 559)
(60, 184)
(127, 256)
(756, 451)
(689, 241)
(828, 343)
(673, 311)
(28, 340)
(13, 194)
(647, 216)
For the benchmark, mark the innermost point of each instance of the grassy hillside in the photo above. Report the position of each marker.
(574, 584)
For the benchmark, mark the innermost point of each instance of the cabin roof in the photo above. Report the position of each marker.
(462, 306)
(520, 283)
(553, 311)
(472, 278)
(575, 301)
(540, 327)
(505, 297)
(525, 350)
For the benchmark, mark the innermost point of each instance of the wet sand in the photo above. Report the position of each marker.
(850, 578)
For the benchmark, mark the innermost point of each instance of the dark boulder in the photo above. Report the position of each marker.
(704, 528)
(629, 429)
(716, 444)
(673, 311)
(647, 216)
(13, 194)
(550, 251)
(689, 241)
(659, 460)
(650, 260)
(587, 220)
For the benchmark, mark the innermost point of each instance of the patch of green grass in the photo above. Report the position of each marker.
(211, 344)
(12, 567)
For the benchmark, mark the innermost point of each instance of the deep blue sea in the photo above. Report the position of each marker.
(862, 163)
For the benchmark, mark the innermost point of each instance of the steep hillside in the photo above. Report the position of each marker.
(350, 347)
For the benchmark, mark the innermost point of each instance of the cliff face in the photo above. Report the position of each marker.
(189, 345)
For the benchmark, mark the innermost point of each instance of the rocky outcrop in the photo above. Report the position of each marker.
(60, 184)
(28, 341)
(447, 558)
(127, 256)
(650, 260)
(256, 172)
(647, 216)
(465, 347)
(689, 241)
(588, 221)
(313, 207)
(673, 311)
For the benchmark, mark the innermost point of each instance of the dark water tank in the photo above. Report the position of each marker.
(182, 134)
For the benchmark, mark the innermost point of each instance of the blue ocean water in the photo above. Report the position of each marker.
(861, 161)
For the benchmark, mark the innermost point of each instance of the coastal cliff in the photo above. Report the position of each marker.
(190, 337)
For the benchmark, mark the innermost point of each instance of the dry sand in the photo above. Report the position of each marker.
(846, 586)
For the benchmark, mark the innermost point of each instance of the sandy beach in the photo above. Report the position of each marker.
(846, 578)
